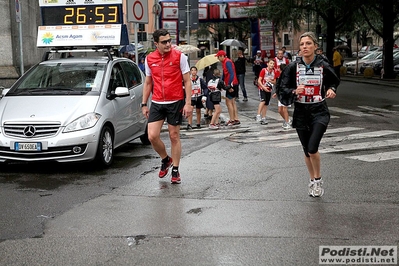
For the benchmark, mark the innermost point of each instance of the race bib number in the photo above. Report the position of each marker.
(196, 90)
(309, 91)
(212, 84)
(312, 78)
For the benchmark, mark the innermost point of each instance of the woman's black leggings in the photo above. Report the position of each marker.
(310, 139)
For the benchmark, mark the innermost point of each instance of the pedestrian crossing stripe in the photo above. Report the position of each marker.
(373, 134)
(327, 139)
(273, 135)
(296, 142)
(379, 110)
(349, 112)
(361, 146)
(245, 134)
(250, 116)
(212, 132)
(377, 157)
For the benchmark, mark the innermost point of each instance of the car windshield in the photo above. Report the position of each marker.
(61, 78)
(374, 55)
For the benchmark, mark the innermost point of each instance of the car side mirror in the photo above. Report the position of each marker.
(118, 92)
(121, 92)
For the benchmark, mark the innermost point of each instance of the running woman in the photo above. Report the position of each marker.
(307, 83)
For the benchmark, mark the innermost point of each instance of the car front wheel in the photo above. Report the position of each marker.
(105, 149)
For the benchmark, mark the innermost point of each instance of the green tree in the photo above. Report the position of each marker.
(335, 14)
(386, 11)
(225, 30)
(379, 16)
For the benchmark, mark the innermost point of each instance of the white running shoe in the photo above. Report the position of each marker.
(315, 188)
(213, 126)
(258, 118)
(318, 189)
(286, 125)
(310, 188)
(263, 121)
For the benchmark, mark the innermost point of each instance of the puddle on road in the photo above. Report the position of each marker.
(195, 211)
(135, 240)
(51, 175)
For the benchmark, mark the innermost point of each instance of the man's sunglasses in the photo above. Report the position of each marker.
(166, 41)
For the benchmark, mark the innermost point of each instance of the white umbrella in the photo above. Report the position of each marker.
(187, 48)
(206, 61)
(233, 42)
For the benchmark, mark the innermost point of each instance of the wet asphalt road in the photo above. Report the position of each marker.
(243, 201)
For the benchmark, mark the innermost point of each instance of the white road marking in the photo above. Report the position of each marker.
(273, 115)
(361, 146)
(349, 112)
(373, 134)
(297, 142)
(273, 135)
(376, 157)
(376, 109)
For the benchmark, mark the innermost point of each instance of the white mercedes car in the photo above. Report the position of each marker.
(73, 109)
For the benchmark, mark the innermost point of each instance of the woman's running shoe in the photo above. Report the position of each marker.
(315, 188)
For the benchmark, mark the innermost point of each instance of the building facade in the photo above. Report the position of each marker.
(11, 53)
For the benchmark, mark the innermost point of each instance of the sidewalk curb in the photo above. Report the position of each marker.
(374, 81)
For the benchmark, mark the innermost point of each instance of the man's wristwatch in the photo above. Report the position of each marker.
(143, 104)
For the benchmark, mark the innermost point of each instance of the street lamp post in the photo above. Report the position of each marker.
(292, 37)
(308, 13)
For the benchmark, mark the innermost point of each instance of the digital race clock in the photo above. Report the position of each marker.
(75, 23)
(80, 15)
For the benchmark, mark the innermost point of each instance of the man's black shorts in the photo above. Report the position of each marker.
(233, 94)
(172, 112)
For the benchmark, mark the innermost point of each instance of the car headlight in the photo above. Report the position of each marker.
(83, 122)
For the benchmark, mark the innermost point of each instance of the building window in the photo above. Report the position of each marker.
(286, 39)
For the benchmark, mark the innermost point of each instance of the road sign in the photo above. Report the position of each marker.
(137, 11)
(190, 8)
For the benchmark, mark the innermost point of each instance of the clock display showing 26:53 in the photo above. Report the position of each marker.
(79, 15)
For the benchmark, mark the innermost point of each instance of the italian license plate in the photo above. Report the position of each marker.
(28, 146)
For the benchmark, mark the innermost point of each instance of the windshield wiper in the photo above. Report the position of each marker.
(49, 90)
(27, 91)
(61, 89)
